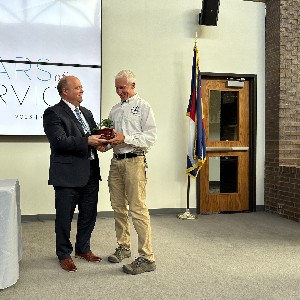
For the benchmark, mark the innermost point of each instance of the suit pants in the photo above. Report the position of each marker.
(66, 200)
(127, 187)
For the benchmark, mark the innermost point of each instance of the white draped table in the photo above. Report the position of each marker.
(10, 232)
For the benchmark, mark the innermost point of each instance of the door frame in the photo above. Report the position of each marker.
(252, 78)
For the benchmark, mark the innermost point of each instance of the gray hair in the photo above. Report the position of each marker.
(128, 75)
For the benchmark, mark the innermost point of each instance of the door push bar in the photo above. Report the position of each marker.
(222, 149)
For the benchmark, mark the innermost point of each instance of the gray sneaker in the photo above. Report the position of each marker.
(140, 265)
(120, 253)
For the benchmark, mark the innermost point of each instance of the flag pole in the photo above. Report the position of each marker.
(187, 215)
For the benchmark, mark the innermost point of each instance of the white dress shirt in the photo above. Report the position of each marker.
(135, 119)
(87, 128)
(81, 114)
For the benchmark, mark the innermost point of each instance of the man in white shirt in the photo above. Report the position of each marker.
(135, 133)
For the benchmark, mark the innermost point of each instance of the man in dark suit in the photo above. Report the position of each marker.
(74, 171)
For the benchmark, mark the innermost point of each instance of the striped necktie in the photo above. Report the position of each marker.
(85, 128)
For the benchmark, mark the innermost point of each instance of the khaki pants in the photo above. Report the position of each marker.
(127, 186)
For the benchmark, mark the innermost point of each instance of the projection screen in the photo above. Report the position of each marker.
(42, 40)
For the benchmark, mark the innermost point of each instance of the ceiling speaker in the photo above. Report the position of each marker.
(209, 12)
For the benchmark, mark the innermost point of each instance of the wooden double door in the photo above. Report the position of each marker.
(224, 178)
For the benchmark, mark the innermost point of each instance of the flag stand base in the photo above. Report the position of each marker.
(186, 216)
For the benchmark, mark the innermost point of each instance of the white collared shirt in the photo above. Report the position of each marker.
(135, 119)
(92, 156)
(73, 110)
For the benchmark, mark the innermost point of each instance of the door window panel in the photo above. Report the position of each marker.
(223, 174)
(223, 115)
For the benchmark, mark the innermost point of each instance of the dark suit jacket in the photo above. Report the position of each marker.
(69, 163)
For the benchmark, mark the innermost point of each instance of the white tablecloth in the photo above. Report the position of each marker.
(10, 232)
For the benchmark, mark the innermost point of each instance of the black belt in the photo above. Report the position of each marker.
(127, 155)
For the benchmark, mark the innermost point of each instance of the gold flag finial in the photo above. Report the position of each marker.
(196, 39)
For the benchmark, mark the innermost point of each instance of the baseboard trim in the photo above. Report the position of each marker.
(110, 214)
(260, 208)
(105, 214)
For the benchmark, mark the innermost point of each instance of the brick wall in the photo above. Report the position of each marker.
(282, 160)
(289, 109)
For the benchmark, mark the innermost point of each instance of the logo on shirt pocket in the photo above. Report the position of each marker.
(135, 110)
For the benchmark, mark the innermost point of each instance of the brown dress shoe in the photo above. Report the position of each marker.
(68, 265)
(89, 256)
